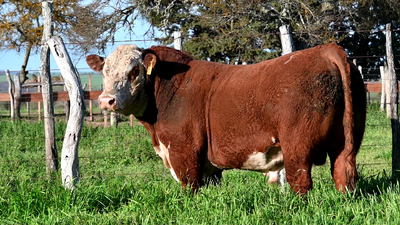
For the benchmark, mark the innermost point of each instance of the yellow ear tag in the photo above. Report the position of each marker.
(150, 68)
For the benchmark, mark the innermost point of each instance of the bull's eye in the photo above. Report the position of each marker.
(134, 73)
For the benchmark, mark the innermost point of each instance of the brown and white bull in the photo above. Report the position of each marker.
(204, 117)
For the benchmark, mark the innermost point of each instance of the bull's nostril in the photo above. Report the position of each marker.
(107, 102)
(112, 101)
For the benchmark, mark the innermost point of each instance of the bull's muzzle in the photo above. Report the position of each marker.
(108, 103)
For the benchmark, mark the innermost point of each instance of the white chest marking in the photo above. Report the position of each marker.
(163, 152)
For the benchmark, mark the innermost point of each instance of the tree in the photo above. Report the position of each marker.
(354, 24)
(225, 31)
(228, 31)
(21, 26)
(373, 16)
(233, 30)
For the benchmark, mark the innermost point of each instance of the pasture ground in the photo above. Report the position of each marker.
(123, 181)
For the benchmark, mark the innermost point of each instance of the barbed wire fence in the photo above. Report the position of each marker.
(121, 136)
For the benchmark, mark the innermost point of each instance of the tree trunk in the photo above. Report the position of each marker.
(69, 154)
(24, 73)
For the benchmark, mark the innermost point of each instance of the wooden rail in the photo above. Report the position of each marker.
(373, 87)
(57, 96)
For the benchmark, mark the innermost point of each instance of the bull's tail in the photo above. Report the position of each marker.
(339, 58)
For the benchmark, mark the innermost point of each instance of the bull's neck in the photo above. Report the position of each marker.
(166, 78)
(160, 91)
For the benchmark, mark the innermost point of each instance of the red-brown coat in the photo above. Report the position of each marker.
(204, 117)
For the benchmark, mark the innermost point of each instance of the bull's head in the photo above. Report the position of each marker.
(124, 79)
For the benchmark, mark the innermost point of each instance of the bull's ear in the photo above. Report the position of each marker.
(95, 62)
(149, 62)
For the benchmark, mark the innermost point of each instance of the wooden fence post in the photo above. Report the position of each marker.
(360, 69)
(394, 97)
(69, 154)
(132, 121)
(17, 96)
(113, 119)
(28, 106)
(90, 100)
(286, 39)
(105, 118)
(11, 92)
(178, 40)
(383, 83)
(39, 104)
(47, 90)
(387, 90)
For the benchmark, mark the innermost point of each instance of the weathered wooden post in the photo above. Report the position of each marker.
(394, 97)
(286, 39)
(383, 93)
(17, 96)
(69, 155)
(47, 89)
(11, 92)
(178, 40)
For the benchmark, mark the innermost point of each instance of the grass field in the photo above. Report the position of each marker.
(124, 182)
(97, 79)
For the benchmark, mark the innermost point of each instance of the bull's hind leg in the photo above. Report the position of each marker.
(344, 171)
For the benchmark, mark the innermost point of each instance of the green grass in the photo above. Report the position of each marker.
(124, 182)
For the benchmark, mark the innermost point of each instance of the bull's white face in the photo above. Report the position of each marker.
(123, 80)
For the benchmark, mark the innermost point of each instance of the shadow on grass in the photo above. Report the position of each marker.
(377, 184)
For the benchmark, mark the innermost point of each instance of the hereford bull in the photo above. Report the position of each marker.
(204, 117)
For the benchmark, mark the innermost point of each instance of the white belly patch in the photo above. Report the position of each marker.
(163, 152)
(263, 162)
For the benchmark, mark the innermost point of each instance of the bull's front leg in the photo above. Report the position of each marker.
(187, 168)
